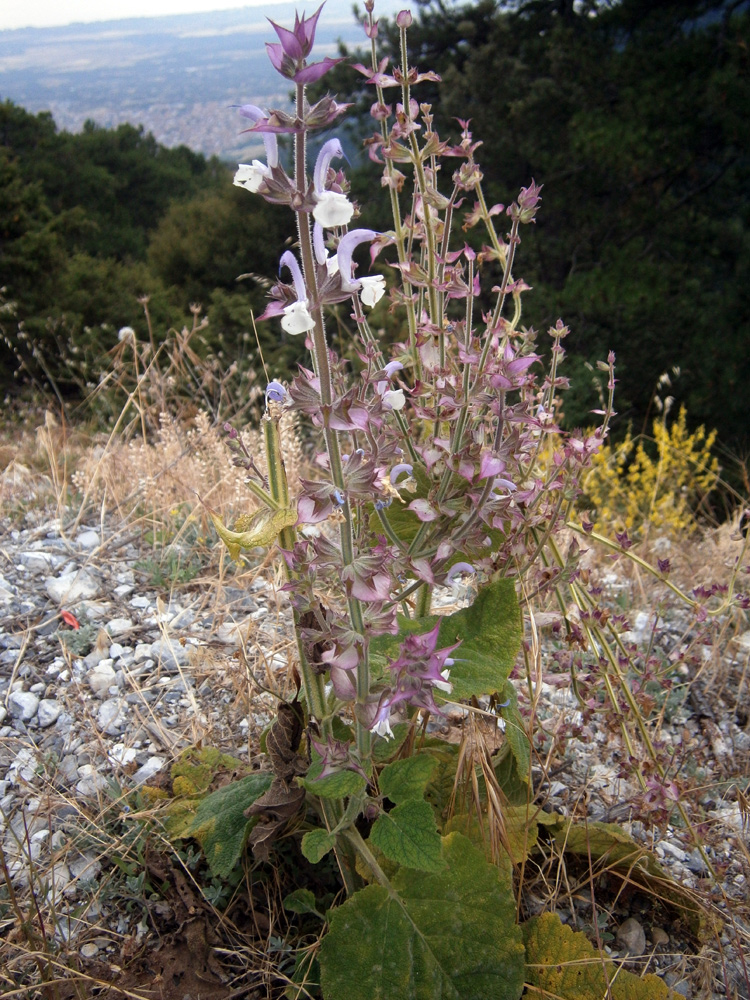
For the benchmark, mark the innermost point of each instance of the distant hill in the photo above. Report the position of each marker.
(177, 76)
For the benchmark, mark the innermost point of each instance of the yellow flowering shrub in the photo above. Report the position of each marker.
(635, 484)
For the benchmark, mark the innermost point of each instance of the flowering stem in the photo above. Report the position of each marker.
(322, 365)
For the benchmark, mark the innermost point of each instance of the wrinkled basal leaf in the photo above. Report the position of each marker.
(562, 964)
(196, 769)
(519, 837)
(219, 824)
(407, 779)
(515, 789)
(490, 632)
(450, 935)
(408, 835)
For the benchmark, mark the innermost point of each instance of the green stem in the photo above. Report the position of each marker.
(355, 839)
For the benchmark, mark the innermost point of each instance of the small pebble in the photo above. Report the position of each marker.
(118, 626)
(48, 712)
(88, 539)
(101, 678)
(631, 937)
(23, 705)
(659, 936)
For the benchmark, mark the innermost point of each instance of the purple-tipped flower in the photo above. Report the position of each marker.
(297, 318)
(275, 393)
(332, 207)
(371, 287)
(252, 175)
(289, 54)
(458, 569)
(398, 469)
(419, 670)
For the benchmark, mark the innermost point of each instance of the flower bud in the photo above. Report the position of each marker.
(404, 19)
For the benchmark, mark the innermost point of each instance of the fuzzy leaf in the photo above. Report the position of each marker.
(407, 779)
(490, 632)
(561, 963)
(408, 835)
(316, 844)
(219, 824)
(451, 935)
(340, 785)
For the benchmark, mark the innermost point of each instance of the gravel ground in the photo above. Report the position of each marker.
(85, 712)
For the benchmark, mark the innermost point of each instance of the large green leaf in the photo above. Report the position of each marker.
(407, 779)
(562, 964)
(408, 835)
(450, 935)
(490, 633)
(219, 824)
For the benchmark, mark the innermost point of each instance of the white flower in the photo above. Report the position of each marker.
(383, 728)
(251, 175)
(332, 209)
(126, 333)
(444, 685)
(332, 265)
(371, 289)
(297, 318)
(394, 399)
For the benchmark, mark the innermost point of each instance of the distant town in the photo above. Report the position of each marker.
(177, 76)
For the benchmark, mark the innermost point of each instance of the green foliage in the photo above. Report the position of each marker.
(91, 223)
(340, 785)
(79, 641)
(408, 835)
(407, 779)
(562, 964)
(316, 844)
(301, 901)
(447, 934)
(490, 632)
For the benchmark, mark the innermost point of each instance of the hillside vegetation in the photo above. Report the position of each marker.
(632, 115)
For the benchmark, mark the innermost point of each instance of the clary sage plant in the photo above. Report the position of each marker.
(441, 464)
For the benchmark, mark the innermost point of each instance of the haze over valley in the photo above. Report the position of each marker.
(177, 76)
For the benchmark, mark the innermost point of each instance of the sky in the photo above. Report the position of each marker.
(48, 13)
